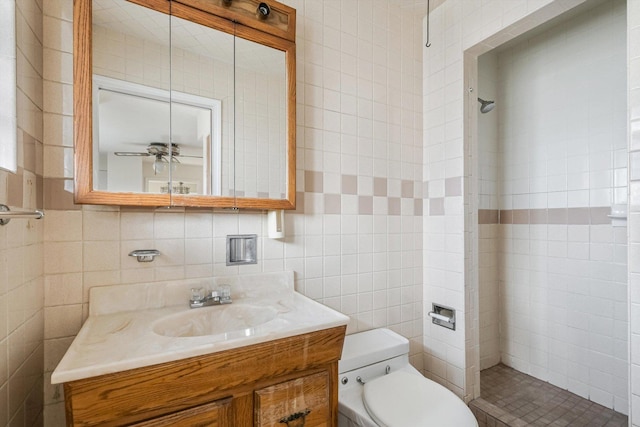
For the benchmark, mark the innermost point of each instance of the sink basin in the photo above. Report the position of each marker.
(229, 320)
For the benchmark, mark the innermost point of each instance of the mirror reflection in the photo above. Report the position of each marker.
(168, 95)
(261, 124)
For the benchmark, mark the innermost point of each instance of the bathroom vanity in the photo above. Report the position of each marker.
(162, 365)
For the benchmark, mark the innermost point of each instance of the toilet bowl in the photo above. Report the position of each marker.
(379, 388)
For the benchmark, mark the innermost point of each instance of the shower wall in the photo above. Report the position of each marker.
(549, 173)
(489, 175)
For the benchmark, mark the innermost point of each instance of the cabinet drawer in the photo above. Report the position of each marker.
(298, 396)
(214, 414)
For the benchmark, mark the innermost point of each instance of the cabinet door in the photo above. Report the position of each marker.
(296, 403)
(214, 414)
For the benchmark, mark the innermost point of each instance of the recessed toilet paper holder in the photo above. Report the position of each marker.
(443, 316)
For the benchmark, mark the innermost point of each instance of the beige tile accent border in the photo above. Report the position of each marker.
(571, 216)
(488, 216)
(390, 197)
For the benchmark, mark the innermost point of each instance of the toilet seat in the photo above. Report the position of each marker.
(401, 399)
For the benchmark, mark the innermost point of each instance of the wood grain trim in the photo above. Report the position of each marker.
(214, 414)
(281, 22)
(82, 104)
(163, 6)
(310, 393)
(132, 396)
(333, 393)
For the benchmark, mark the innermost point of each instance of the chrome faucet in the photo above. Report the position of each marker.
(219, 296)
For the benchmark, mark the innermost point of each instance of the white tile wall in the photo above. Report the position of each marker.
(358, 251)
(475, 28)
(561, 102)
(21, 248)
(343, 61)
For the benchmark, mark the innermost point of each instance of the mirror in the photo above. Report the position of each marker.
(260, 166)
(188, 105)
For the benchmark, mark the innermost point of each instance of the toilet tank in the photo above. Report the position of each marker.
(369, 347)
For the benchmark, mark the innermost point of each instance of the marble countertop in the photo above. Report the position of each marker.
(129, 326)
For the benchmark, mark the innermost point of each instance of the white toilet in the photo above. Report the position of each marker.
(379, 388)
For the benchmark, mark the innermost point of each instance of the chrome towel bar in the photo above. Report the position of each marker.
(6, 215)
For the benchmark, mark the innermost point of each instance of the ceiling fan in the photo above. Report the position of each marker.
(160, 150)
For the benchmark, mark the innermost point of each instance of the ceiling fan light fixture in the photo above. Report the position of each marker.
(161, 163)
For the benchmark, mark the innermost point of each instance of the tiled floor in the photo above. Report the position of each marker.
(511, 398)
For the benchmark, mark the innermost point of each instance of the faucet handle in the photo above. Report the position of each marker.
(197, 294)
(225, 294)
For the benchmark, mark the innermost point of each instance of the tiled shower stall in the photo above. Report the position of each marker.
(546, 247)
(553, 159)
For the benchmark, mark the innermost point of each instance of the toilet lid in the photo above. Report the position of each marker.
(401, 399)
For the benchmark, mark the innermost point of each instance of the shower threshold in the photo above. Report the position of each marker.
(511, 398)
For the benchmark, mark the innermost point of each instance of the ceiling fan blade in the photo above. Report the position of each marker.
(131, 153)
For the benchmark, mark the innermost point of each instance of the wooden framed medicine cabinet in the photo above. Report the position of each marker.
(198, 108)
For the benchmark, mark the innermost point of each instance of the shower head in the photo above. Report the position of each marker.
(486, 106)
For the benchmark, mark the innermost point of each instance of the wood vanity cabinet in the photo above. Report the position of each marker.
(286, 382)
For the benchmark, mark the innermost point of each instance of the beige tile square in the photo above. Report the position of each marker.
(58, 129)
(62, 226)
(313, 182)
(54, 414)
(538, 216)
(487, 216)
(58, 98)
(198, 270)
(14, 189)
(506, 216)
(62, 321)
(170, 273)
(349, 184)
(168, 225)
(58, 34)
(557, 216)
(453, 186)
(365, 205)
(53, 393)
(99, 225)
(54, 350)
(63, 289)
(198, 251)
(16, 267)
(407, 189)
(198, 225)
(171, 252)
(62, 257)
(92, 279)
(58, 162)
(520, 216)
(58, 66)
(380, 187)
(101, 255)
(599, 215)
(58, 194)
(136, 225)
(578, 216)
(143, 274)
